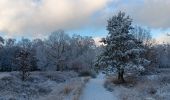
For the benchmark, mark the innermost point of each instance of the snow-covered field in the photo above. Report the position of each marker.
(41, 86)
(68, 86)
(149, 87)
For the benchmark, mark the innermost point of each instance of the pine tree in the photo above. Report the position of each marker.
(122, 51)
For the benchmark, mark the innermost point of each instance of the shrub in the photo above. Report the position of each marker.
(86, 79)
(152, 90)
(87, 73)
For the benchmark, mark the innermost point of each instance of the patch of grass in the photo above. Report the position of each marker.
(79, 88)
(67, 89)
(108, 84)
(78, 92)
(152, 90)
(130, 95)
(129, 81)
(140, 87)
(86, 79)
(43, 90)
(7, 78)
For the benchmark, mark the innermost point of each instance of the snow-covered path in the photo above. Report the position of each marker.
(4, 74)
(94, 90)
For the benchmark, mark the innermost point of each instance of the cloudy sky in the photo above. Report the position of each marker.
(37, 18)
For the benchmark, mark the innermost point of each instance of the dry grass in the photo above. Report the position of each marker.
(76, 97)
(50, 85)
(43, 86)
(67, 89)
(111, 81)
(141, 87)
(143, 90)
(78, 92)
(87, 73)
(80, 88)
(86, 79)
(73, 89)
(127, 94)
(70, 90)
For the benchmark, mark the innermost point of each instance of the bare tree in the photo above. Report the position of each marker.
(57, 46)
(143, 35)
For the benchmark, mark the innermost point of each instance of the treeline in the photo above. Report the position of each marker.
(62, 52)
(163, 55)
(58, 52)
(158, 54)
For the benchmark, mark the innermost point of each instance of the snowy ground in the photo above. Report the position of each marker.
(41, 86)
(148, 87)
(94, 90)
(4, 74)
(68, 86)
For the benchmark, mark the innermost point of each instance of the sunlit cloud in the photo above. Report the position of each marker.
(19, 17)
(151, 13)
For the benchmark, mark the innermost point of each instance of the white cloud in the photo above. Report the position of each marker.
(152, 13)
(43, 16)
(38, 17)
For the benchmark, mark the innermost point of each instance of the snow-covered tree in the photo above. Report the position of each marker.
(40, 53)
(59, 51)
(122, 51)
(82, 53)
(57, 47)
(23, 60)
(1, 42)
(7, 54)
(144, 35)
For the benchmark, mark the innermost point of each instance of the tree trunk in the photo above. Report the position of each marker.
(23, 76)
(120, 76)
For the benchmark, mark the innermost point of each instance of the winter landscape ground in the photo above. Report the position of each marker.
(68, 86)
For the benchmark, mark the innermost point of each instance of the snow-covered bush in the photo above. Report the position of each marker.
(87, 73)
